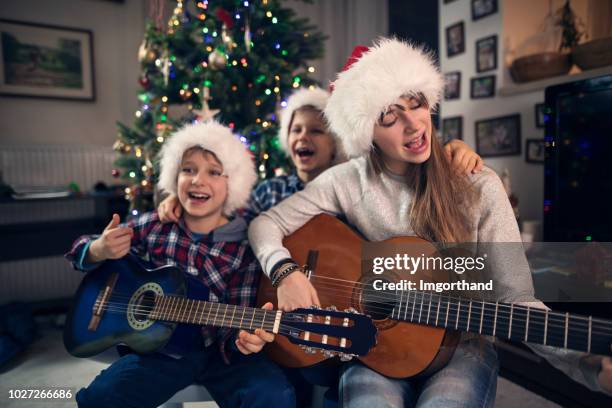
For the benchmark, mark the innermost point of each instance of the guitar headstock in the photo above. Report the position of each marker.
(345, 334)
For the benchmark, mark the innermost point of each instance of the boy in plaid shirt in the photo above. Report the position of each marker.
(212, 174)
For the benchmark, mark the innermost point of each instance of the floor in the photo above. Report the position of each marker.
(47, 364)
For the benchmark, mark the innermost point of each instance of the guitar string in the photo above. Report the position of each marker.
(595, 329)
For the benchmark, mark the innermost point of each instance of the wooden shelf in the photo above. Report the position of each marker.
(514, 88)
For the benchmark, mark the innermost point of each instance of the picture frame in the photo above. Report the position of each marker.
(540, 116)
(499, 136)
(483, 8)
(452, 128)
(482, 87)
(455, 39)
(486, 54)
(534, 151)
(46, 61)
(452, 85)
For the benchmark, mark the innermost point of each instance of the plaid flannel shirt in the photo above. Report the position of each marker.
(227, 268)
(270, 192)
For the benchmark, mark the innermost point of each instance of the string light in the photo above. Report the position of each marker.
(311, 69)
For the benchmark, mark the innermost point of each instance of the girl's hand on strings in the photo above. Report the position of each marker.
(249, 343)
(296, 291)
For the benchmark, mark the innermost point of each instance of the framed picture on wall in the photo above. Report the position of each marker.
(483, 87)
(452, 128)
(45, 61)
(455, 39)
(452, 85)
(486, 54)
(483, 8)
(534, 151)
(539, 115)
(499, 136)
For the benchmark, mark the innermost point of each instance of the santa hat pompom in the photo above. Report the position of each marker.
(233, 155)
(375, 79)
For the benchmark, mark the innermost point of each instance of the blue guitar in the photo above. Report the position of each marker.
(122, 302)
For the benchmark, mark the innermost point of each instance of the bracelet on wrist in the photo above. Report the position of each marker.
(282, 272)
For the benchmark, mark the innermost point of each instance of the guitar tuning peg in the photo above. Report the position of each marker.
(315, 307)
(310, 350)
(346, 357)
(332, 308)
(351, 310)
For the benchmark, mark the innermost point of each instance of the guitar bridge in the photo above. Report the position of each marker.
(101, 301)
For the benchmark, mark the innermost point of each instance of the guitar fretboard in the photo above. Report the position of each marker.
(182, 310)
(506, 321)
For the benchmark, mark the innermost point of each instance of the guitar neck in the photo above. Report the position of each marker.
(183, 310)
(506, 321)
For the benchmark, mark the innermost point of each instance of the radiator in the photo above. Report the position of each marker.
(56, 165)
(31, 280)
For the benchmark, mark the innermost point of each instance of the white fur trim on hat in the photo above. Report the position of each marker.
(388, 70)
(316, 97)
(232, 154)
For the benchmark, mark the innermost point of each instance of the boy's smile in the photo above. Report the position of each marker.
(312, 147)
(202, 190)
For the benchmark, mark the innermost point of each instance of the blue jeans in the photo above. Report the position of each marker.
(143, 381)
(468, 380)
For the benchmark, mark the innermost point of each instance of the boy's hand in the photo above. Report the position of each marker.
(170, 210)
(462, 157)
(253, 343)
(114, 243)
(296, 291)
(605, 375)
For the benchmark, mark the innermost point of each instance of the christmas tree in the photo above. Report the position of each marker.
(236, 60)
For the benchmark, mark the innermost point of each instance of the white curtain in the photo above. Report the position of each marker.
(346, 23)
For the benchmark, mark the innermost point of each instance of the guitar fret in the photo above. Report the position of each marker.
(589, 339)
(232, 319)
(429, 307)
(214, 322)
(421, 308)
(180, 305)
(190, 310)
(482, 309)
(406, 308)
(438, 310)
(447, 311)
(210, 306)
(527, 324)
(264, 319)
(458, 311)
(413, 307)
(495, 318)
(566, 323)
(156, 309)
(242, 317)
(469, 316)
(545, 326)
(173, 308)
(399, 306)
(252, 317)
(225, 307)
(510, 323)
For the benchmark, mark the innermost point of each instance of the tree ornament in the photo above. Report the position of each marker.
(227, 25)
(116, 173)
(247, 36)
(146, 53)
(119, 146)
(205, 114)
(217, 60)
(178, 17)
(165, 67)
(144, 82)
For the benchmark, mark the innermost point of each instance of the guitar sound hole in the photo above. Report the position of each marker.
(378, 303)
(144, 305)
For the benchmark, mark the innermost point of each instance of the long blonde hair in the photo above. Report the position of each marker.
(442, 198)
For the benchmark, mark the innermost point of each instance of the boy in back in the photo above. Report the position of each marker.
(212, 174)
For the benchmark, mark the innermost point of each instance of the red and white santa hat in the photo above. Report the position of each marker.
(214, 137)
(373, 79)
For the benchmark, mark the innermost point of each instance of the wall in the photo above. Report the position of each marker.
(527, 179)
(117, 32)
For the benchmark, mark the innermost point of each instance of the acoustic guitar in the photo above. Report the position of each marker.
(417, 330)
(122, 302)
